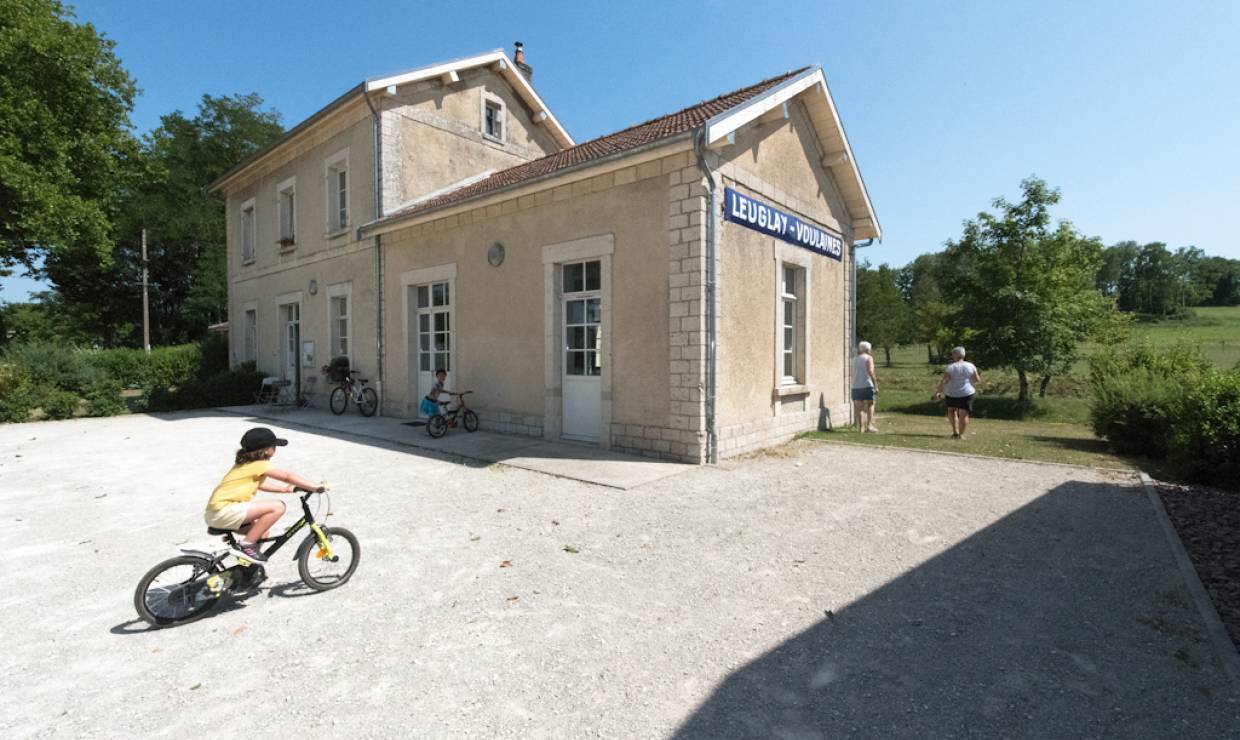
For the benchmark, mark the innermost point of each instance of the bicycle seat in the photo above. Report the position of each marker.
(217, 530)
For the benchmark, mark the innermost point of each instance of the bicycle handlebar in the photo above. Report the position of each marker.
(462, 393)
(307, 491)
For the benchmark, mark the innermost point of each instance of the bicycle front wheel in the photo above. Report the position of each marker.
(339, 401)
(178, 591)
(470, 421)
(314, 567)
(368, 402)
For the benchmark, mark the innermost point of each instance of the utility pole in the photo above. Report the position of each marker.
(146, 307)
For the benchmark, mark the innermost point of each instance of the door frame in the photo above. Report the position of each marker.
(409, 282)
(282, 362)
(600, 247)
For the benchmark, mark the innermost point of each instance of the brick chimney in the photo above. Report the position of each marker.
(518, 58)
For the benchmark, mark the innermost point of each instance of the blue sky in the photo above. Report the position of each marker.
(1129, 107)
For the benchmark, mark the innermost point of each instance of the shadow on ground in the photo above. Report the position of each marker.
(1034, 627)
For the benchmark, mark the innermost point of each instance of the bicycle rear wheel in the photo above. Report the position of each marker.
(437, 426)
(317, 571)
(339, 401)
(177, 591)
(368, 402)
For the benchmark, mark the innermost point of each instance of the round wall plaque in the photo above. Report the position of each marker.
(314, 287)
(495, 255)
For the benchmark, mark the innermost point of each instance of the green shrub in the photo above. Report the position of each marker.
(16, 403)
(1137, 394)
(57, 403)
(214, 356)
(163, 367)
(53, 365)
(103, 398)
(229, 388)
(1205, 444)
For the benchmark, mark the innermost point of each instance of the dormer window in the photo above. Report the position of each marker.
(493, 118)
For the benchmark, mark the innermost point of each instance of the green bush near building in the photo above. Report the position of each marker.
(1169, 403)
(57, 381)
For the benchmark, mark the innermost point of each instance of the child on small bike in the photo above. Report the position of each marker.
(431, 405)
(231, 505)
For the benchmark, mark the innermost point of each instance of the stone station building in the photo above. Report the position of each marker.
(679, 289)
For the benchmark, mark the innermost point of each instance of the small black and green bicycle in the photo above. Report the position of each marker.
(190, 586)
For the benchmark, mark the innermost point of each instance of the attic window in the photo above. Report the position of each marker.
(493, 118)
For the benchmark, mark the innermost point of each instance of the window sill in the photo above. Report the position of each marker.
(247, 263)
(337, 233)
(791, 390)
(287, 248)
(493, 139)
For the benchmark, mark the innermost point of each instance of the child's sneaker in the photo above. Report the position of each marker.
(249, 551)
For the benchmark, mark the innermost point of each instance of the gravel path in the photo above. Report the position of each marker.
(824, 591)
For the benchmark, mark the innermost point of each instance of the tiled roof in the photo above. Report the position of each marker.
(605, 146)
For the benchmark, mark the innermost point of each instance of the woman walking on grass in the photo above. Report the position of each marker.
(958, 379)
(864, 388)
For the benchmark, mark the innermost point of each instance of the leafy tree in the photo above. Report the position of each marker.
(928, 310)
(185, 228)
(43, 319)
(64, 133)
(883, 319)
(1024, 291)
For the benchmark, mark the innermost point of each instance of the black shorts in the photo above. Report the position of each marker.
(960, 402)
(863, 394)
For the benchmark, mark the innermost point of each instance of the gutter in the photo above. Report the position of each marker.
(712, 208)
(376, 148)
(852, 313)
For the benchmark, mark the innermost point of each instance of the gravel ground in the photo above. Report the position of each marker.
(822, 591)
(1208, 521)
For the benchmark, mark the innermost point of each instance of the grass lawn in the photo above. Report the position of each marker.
(1215, 329)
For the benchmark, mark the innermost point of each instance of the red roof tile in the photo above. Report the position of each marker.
(630, 138)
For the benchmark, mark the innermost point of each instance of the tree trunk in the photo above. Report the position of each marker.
(1024, 385)
(929, 355)
(888, 351)
(1046, 380)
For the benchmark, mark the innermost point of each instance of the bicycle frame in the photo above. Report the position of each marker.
(307, 519)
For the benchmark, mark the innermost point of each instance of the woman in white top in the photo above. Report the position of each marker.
(958, 379)
(864, 388)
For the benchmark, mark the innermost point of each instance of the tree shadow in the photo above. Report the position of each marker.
(1065, 618)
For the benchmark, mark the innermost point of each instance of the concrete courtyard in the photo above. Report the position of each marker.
(816, 591)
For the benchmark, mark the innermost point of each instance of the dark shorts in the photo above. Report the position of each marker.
(960, 402)
(863, 394)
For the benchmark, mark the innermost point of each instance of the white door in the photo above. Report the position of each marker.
(290, 365)
(583, 359)
(432, 330)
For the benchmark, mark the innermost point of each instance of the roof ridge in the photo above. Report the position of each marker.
(596, 148)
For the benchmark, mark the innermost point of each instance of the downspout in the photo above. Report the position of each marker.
(712, 214)
(852, 316)
(376, 150)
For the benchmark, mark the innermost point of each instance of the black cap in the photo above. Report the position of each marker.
(260, 438)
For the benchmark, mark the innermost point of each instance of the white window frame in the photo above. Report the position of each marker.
(340, 290)
(248, 232)
(790, 297)
(788, 255)
(338, 162)
(287, 186)
(249, 343)
(498, 102)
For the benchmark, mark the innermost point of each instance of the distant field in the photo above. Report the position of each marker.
(1216, 329)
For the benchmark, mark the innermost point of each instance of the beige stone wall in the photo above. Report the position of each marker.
(328, 257)
(433, 135)
(777, 164)
(499, 312)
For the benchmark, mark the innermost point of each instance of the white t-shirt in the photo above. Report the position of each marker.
(861, 372)
(960, 379)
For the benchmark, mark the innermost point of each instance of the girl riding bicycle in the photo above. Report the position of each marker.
(231, 505)
(431, 405)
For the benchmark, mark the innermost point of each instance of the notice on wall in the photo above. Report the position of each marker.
(759, 216)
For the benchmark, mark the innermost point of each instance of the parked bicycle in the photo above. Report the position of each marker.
(354, 389)
(190, 586)
(438, 425)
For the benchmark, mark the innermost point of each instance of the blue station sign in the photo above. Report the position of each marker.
(759, 216)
